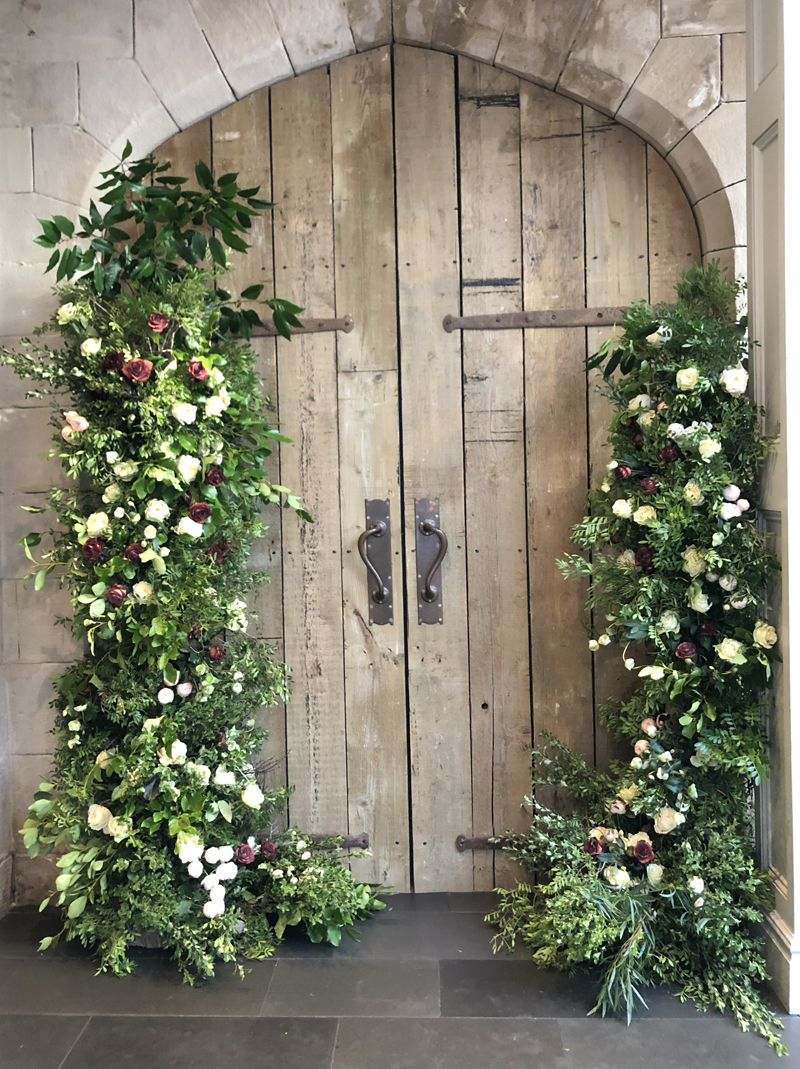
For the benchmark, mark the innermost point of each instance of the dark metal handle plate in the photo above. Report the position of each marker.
(375, 547)
(431, 547)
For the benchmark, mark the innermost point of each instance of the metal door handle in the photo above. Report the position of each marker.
(380, 595)
(429, 591)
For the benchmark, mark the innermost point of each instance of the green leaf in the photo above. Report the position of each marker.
(97, 608)
(251, 293)
(66, 227)
(38, 582)
(76, 907)
(203, 175)
(99, 277)
(50, 230)
(225, 809)
(52, 261)
(160, 565)
(48, 939)
(217, 252)
(127, 150)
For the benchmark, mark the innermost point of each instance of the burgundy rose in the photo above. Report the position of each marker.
(217, 553)
(195, 631)
(649, 486)
(214, 476)
(158, 322)
(133, 553)
(644, 558)
(592, 846)
(622, 471)
(199, 512)
(92, 548)
(708, 627)
(216, 653)
(197, 371)
(668, 454)
(686, 650)
(245, 854)
(643, 852)
(113, 362)
(638, 440)
(221, 739)
(116, 594)
(138, 370)
(269, 850)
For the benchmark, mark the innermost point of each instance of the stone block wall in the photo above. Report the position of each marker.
(78, 78)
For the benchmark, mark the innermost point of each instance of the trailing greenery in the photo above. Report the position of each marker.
(155, 808)
(653, 878)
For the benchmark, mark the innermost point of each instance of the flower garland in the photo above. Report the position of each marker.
(155, 805)
(654, 877)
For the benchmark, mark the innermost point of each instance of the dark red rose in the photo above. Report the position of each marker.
(214, 476)
(216, 653)
(629, 422)
(622, 471)
(686, 650)
(643, 852)
(668, 454)
(158, 322)
(269, 850)
(245, 854)
(649, 486)
(221, 739)
(92, 548)
(592, 846)
(197, 371)
(217, 553)
(199, 512)
(708, 627)
(113, 362)
(138, 370)
(116, 594)
(638, 440)
(133, 553)
(195, 631)
(644, 558)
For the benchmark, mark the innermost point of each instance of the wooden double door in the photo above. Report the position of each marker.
(410, 185)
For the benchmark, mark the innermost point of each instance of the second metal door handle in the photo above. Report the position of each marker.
(430, 592)
(381, 593)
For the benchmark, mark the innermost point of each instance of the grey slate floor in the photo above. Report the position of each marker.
(422, 990)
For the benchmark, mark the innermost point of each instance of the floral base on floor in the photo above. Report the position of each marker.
(156, 808)
(653, 878)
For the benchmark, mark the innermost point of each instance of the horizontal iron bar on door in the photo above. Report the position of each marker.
(478, 842)
(555, 317)
(310, 326)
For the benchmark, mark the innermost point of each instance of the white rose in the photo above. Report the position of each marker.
(178, 752)
(739, 603)
(647, 419)
(764, 635)
(195, 869)
(157, 510)
(213, 909)
(66, 313)
(693, 494)
(184, 413)
(645, 515)
(655, 874)
(669, 623)
(96, 524)
(91, 346)
(98, 817)
(215, 406)
(252, 795)
(594, 645)
(627, 560)
(216, 375)
(675, 430)
(641, 400)
(189, 467)
(667, 820)
(150, 531)
(729, 511)
(623, 508)
(731, 493)
(658, 337)
(734, 380)
(188, 526)
(697, 884)
(708, 448)
(730, 649)
(142, 591)
(111, 494)
(226, 853)
(223, 777)
(191, 849)
(119, 513)
(117, 829)
(112, 457)
(305, 856)
(125, 470)
(164, 552)
(693, 561)
(687, 378)
(228, 870)
(698, 600)
(217, 894)
(728, 582)
(617, 877)
(605, 486)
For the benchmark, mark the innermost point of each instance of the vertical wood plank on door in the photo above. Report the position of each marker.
(556, 423)
(185, 149)
(433, 448)
(497, 608)
(303, 236)
(364, 231)
(673, 241)
(615, 172)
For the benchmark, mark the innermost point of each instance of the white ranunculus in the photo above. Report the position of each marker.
(617, 877)
(764, 635)
(156, 510)
(217, 894)
(694, 561)
(731, 650)
(641, 400)
(164, 552)
(652, 671)
(212, 855)
(708, 448)
(698, 600)
(728, 582)
(646, 515)
(213, 909)
(743, 505)
(125, 470)
(150, 531)
(184, 413)
(734, 380)
(212, 879)
(226, 853)
(252, 795)
(697, 884)
(739, 603)
(119, 513)
(731, 493)
(215, 406)
(191, 849)
(188, 526)
(223, 777)
(687, 378)
(91, 346)
(227, 870)
(142, 591)
(729, 511)
(184, 689)
(693, 494)
(96, 524)
(655, 874)
(667, 820)
(111, 494)
(623, 508)
(669, 623)
(66, 313)
(98, 817)
(189, 467)
(195, 869)
(675, 430)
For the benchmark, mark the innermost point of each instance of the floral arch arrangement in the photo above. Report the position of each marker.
(654, 877)
(155, 808)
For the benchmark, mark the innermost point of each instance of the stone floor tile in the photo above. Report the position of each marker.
(348, 988)
(29, 1041)
(482, 902)
(411, 903)
(22, 929)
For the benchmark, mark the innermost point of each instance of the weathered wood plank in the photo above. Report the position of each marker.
(183, 151)
(303, 240)
(427, 226)
(616, 272)
(374, 656)
(673, 241)
(497, 607)
(556, 421)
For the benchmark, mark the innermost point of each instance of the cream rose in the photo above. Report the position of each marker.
(117, 828)
(96, 524)
(647, 419)
(223, 777)
(98, 817)
(655, 874)
(617, 877)
(623, 508)
(77, 422)
(669, 623)
(667, 820)
(693, 494)
(188, 527)
(734, 380)
(142, 591)
(125, 470)
(627, 794)
(191, 849)
(189, 467)
(66, 313)
(215, 406)
(694, 561)
(764, 635)
(184, 413)
(111, 494)
(731, 650)
(708, 448)
(156, 510)
(91, 346)
(252, 795)
(687, 378)
(698, 600)
(627, 560)
(641, 400)
(646, 515)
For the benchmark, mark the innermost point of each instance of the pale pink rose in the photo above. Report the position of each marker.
(617, 807)
(743, 505)
(78, 423)
(731, 492)
(184, 689)
(649, 727)
(641, 746)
